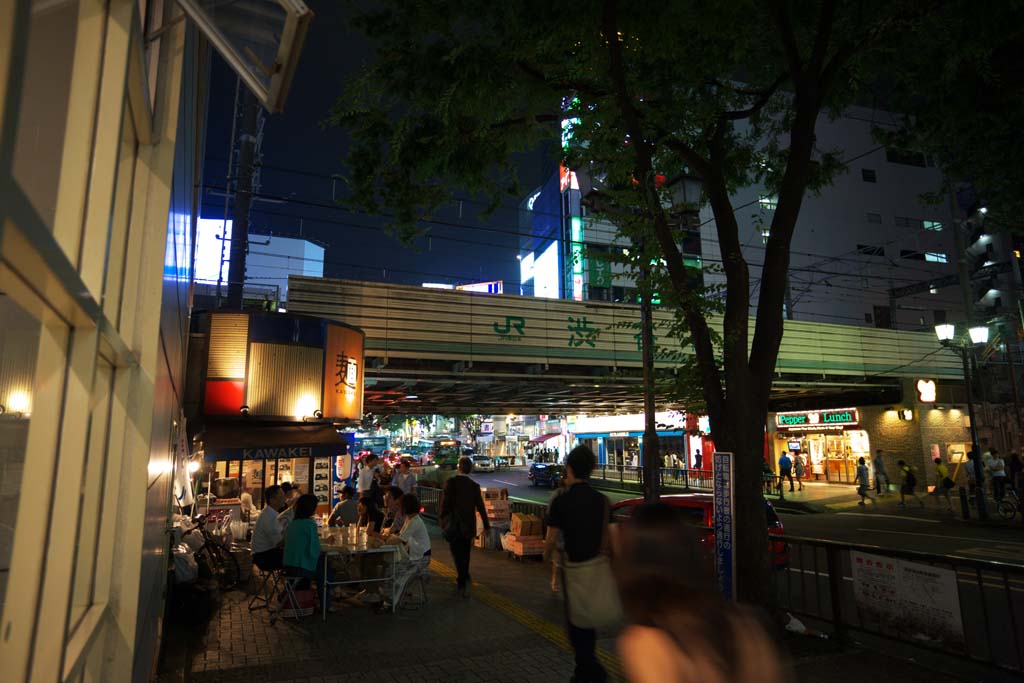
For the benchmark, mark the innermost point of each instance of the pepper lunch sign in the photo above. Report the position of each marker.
(818, 420)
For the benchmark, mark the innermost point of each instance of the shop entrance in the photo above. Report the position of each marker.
(622, 451)
(832, 456)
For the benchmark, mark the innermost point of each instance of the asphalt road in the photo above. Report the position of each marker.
(928, 531)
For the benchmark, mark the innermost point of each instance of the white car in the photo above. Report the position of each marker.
(482, 463)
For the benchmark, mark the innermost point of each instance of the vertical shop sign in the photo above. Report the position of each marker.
(725, 524)
(908, 598)
(343, 373)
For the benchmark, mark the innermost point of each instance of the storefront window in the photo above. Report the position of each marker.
(43, 110)
(19, 342)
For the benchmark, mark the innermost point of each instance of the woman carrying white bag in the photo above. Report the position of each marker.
(581, 515)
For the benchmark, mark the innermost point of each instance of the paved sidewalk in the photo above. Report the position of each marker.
(511, 629)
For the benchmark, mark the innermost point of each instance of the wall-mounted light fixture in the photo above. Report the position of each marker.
(244, 410)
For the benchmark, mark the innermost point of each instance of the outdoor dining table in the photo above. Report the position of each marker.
(344, 543)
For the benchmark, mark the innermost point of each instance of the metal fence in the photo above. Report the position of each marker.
(671, 479)
(818, 583)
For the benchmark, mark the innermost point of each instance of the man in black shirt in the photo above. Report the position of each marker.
(460, 504)
(579, 514)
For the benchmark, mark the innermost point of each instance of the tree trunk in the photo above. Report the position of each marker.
(740, 432)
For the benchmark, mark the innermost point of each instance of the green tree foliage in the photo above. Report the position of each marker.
(727, 93)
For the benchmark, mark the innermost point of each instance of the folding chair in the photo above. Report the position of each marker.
(407, 600)
(270, 586)
(289, 598)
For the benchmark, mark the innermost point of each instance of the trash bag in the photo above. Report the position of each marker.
(186, 569)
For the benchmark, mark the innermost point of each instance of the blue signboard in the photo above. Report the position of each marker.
(724, 522)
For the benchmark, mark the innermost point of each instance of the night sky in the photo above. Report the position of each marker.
(299, 158)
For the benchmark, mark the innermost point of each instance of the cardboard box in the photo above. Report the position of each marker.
(493, 493)
(524, 524)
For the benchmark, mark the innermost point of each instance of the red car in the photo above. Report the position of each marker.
(698, 508)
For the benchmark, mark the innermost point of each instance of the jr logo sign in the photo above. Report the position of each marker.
(514, 328)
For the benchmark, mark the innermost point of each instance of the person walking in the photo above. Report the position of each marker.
(785, 471)
(880, 474)
(678, 631)
(697, 459)
(863, 481)
(1016, 467)
(405, 480)
(460, 502)
(908, 481)
(556, 559)
(972, 477)
(580, 515)
(997, 472)
(943, 482)
(799, 469)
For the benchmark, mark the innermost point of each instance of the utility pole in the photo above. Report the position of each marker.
(243, 199)
(652, 449)
(965, 289)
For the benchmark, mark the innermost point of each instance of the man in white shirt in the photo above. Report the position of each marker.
(268, 536)
(405, 480)
(367, 473)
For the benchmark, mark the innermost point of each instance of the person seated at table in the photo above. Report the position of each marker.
(393, 517)
(302, 556)
(268, 537)
(291, 495)
(347, 511)
(415, 542)
(369, 516)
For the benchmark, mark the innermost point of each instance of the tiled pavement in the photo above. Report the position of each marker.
(484, 638)
(509, 630)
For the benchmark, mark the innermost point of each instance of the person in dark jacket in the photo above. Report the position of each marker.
(460, 502)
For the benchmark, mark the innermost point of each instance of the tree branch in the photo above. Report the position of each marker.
(780, 14)
(763, 97)
(823, 35)
(541, 76)
(700, 332)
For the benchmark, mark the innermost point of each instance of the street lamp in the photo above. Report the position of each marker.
(977, 334)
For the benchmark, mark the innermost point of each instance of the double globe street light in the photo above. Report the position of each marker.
(976, 336)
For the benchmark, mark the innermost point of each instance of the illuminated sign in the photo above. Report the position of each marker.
(494, 287)
(546, 273)
(343, 378)
(526, 268)
(926, 390)
(213, 242)
(818, 420)
(576, 235)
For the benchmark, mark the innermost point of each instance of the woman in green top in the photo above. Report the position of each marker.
(302, 544)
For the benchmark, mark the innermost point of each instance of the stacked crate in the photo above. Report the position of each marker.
(497, 506)
(524, 538)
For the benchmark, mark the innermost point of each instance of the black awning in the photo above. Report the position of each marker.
(267, 442)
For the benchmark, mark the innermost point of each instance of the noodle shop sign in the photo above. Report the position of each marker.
(817, 420)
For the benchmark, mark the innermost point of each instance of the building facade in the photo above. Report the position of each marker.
(99, 149)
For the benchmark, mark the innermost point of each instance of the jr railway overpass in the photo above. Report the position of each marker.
(443, 351)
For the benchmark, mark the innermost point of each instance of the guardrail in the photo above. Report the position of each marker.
(671, 479)
(986, 597)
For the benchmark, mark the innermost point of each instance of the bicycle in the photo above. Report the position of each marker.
(216, 558)
(1010, 505)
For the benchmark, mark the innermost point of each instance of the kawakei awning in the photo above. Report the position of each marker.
(268, 442)
(544, 437)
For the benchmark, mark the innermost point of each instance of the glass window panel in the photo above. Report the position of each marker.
(43, 109)
(92, 494)
(19, 344)
(120, 220)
